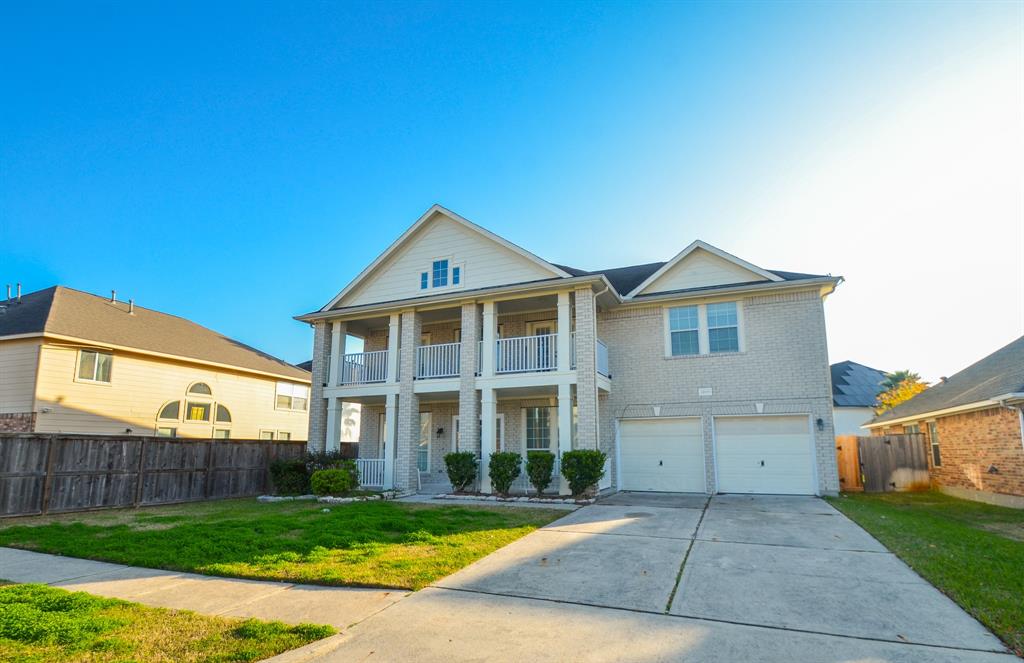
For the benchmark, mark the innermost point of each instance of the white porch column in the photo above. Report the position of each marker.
(338, 333)
(564, 430)
(490, 333)
(564, 342)
(332, 440)
(488, 432)
(393, 329)
(390, 439)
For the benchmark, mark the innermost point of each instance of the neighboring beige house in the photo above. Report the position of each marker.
(705, 373)
(72, 362)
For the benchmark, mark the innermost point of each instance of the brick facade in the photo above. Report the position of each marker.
(980, 450)
(17, 422)
(317, 437)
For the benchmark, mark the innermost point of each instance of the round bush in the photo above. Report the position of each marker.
(337, 482)
(504, 468)
(289, 477)
(539, 466)
(462, 468)
(582, 468)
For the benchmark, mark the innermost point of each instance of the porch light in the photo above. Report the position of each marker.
(440, 431)
(820, 423)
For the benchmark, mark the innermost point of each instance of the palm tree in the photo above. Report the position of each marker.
(896, 378)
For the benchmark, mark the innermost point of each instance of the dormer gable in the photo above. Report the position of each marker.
(701, 265)
(443, 252)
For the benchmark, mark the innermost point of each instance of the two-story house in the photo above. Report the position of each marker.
(73, 362)
(705, 373)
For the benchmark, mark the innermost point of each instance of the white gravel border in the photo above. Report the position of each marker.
(495, 498)
(386, 495)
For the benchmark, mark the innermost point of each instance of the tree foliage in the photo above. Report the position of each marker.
(899, 387)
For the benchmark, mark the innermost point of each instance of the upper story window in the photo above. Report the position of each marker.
(223, 416)
(197, 411)
(723, 327)
(443, 273)
(701, 329)
(684, 329)
(94, 366)
(200, 389)
(171, 411)
(292, 396)
(439, 274)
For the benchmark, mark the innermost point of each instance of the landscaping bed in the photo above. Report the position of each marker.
(374, 544)
(972, 552)
(46, 624)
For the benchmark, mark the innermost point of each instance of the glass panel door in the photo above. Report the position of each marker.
(423, 448)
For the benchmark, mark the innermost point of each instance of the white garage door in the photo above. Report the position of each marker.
(764, 455)
(662, 455)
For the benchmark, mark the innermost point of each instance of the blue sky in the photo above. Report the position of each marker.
(239, 163)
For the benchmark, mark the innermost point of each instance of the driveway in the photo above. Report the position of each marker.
(655, 577)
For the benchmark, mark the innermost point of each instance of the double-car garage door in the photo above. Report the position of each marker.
(771, 454)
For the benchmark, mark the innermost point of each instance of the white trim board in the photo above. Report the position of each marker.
(700, 244)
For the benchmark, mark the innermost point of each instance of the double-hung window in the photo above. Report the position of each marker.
(439, 272)
(933, 438)
(292, 396)
(538, 429)
(685, 330)
(723, 327)
(94, 366)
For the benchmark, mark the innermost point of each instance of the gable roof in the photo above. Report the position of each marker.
(423, 220)
(999, 374)
(72, 313)
(855, 385)
(695, 245)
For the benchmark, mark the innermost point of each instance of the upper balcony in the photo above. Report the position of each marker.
(518, 354)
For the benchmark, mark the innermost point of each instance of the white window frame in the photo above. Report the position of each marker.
(172, 429)
(449, 275)
(669, 331)
(934, 442)
(552, 429)
(226, 431)
(430, 440)
(272, 433)
(196, 401)
(290, 390)
(499, 442)
(702, 330)
(382, 434)
(164, 406)
(78, 366)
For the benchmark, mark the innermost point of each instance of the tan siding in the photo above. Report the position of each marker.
(140, 386)
(17, 375)
(486, 263)
(700, 269)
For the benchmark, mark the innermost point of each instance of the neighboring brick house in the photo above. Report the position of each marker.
(72, 362)
(705, 373)
(974, 426)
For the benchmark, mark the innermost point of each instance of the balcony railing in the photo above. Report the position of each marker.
(438, 361)
(365, 367)
(526, 354)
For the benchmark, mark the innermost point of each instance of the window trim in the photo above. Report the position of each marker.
(552, 429)
(291, 396)
(97, 352)
(173, 429)
(430, 441)
(934, 443)
(669, 330)
(736, 304)
(426, 276)
(226, 431)
(272, 438)
(500, 442)
(703, 340)
(164, 407)
(209, 411)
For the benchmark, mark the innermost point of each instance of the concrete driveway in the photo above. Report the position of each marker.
(649, 577)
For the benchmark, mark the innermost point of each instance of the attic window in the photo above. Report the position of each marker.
(456, 275)
(440, 273)
(424, 280)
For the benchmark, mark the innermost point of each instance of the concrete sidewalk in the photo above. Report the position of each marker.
(340, 607)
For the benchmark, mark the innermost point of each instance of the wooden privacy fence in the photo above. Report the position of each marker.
(883, 463)
(59, 473)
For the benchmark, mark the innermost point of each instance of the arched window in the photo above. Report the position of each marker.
(200, 389)
(223, 416)
(170, 411)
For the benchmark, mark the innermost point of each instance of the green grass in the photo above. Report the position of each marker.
(375, 544)
(973, 552)
(40, 623)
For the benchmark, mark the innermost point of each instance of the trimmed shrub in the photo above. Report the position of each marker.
(504, 469)
(582, 468)
(289, 477)
(539, 466)
(335, 482)
(461, 467)
(324, 460)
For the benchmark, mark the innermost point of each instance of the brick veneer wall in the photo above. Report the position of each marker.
(17, 422)
(317, 403)
(973, 442)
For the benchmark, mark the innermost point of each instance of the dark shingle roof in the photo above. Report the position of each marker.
(855, 385)
(1000, 373)
(68, 312)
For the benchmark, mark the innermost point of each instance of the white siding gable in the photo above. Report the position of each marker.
(483, 262)
(700, 269)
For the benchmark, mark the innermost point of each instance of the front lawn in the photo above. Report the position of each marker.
(972, 552)
(44, 624)
(376, 544)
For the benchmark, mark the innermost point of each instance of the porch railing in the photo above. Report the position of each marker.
(365, 367)
(522, 483)
(526, 354)
(371, 471)
(438, 361)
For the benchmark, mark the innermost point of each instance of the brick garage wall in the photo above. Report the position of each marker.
(784, 366)
(17, 422)
(971, 443)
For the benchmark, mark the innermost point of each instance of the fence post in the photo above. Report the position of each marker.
(211, 452)
(44, 507)
(140, 471)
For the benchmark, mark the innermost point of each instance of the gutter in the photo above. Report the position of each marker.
(995, 401)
